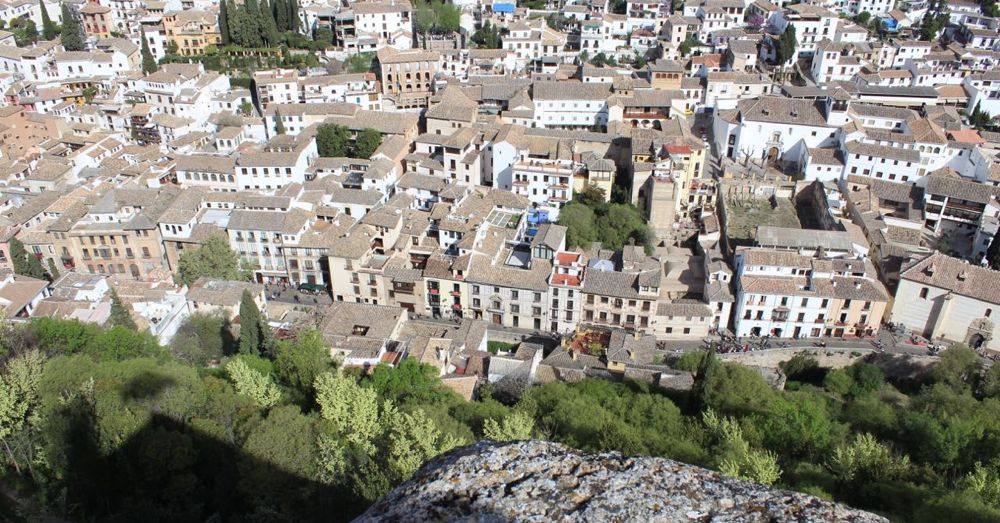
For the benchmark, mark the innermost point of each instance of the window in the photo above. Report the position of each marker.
(988, 312)
(923, 293)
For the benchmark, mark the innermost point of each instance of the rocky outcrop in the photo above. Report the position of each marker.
(539, 481)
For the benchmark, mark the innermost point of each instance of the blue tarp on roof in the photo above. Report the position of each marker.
(503, 8)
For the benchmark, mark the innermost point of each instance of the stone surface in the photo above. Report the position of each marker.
(535, 481)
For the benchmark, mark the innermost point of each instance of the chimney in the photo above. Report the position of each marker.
(962, 276)
(572, 354)
(857, 285)
(930, 269)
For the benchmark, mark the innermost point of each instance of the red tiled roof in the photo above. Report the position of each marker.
(678, 149)
(565, 279)
(708, 60)
(567, 258)
(966, 136)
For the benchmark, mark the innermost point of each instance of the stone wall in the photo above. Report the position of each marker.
(541, 481)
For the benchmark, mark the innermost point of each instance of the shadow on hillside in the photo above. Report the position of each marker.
(178, 471)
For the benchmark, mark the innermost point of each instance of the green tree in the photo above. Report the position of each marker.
(838, 381)
(293, 14)
(253, 330)
(49, 28)
(253, 384)
(690, 361)
(268, 24)
(214, 259)
(279, 8)
(515, 426)
(958, 368)
(297, 364)
(120, 343)
(932, 24)
(424, 18)
(591, 196)
(25, 31)
(148, 62)
(686, 45)
(733, 453)
(733, 388)
(488, 36)
(203, 339)
(866, 459)
(120, 315)
(332, 140)
(993, 253)
(367, 142)
(619, 224)
(223, 22)
(579, 220)
(863, 18)
(18, 399)
(786, 45)
(285, 442)
(448, 17)
(53, 271)
(413, 439)
(639, 62)
(72, 36)
(25, 263)
(359, 63)
(352, 410)
(279, 126)
(980, 120)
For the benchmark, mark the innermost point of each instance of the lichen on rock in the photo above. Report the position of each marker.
(535, 481)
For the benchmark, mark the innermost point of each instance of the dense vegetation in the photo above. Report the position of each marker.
(102, 424)
(333, 140)
(588, 218)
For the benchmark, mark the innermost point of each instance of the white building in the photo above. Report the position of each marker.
(789, 294)
(779, 128)
(570, 105)
(945, 298)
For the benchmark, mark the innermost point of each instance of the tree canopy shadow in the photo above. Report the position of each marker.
(171, 470)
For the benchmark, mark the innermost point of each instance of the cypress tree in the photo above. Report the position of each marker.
(993, 254)
(148, 62)
(224, 21)
(120, 316)
(293, 15)
(280, 10)
(250, 24)
(72, 35)
(251, 328)
(35, 269)
(268, 26)
(25, 263)
(49, 29)
(53, 271)
(279, 126)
